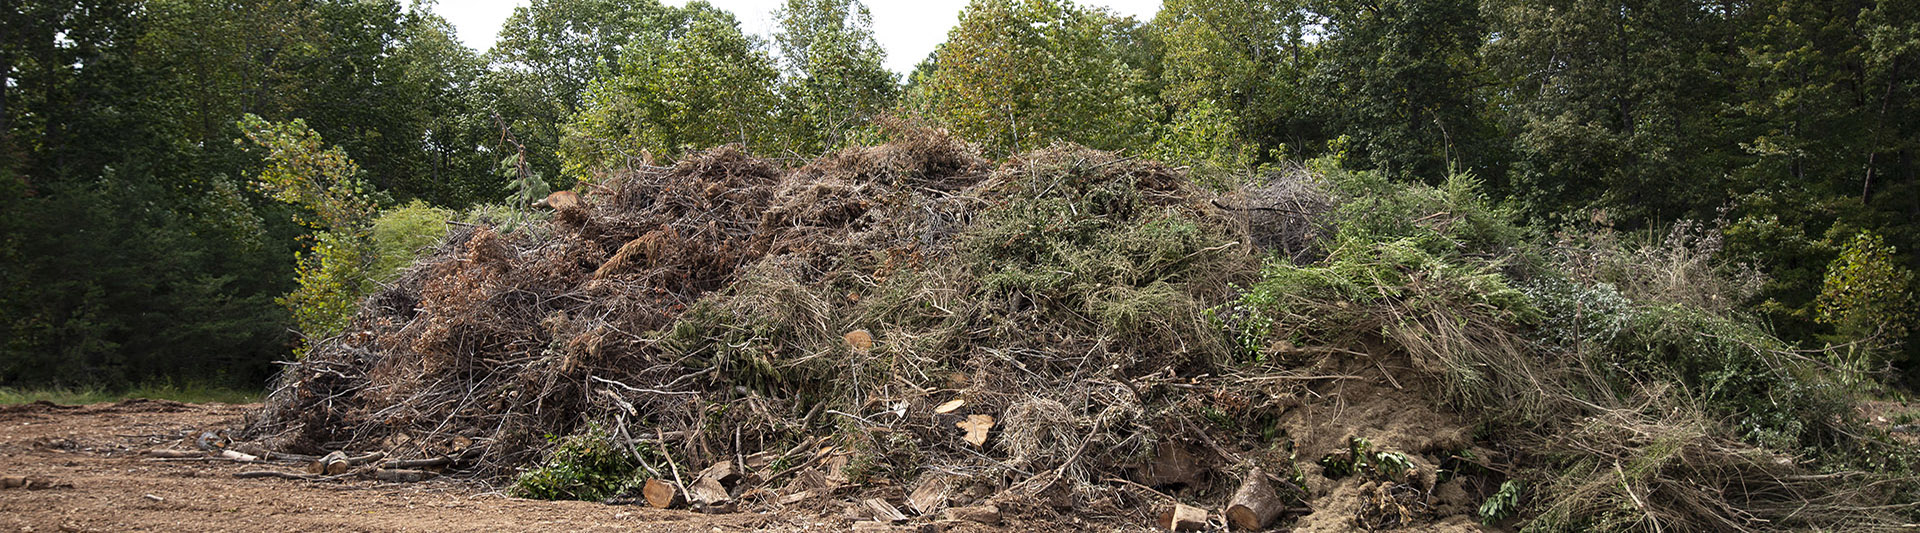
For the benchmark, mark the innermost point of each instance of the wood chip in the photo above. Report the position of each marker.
(928, 498)
(1183, 517)
(976, 426)
(881, 510)
(949, 407)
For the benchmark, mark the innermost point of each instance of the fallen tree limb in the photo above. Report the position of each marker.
(417, 463)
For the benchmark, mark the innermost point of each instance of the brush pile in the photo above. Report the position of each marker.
(1068, 332)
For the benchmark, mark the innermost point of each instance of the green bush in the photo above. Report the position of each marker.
(402, 234)
(1453, 218)
(587, 465)
(1865, 294)
(1732, 368)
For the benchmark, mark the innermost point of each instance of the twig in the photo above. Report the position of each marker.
(631, 388)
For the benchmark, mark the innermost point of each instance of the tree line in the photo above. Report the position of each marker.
(151, 227)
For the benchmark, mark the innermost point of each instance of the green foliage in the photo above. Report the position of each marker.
(1624, 128)
(549, 52)
(1729, 367)
(1360, 458)
(1866, 290)
(695, 83)
(1398, 77)
(588, 465)
(526, 187)
(1449, 220)
(1017, 75)
(835, 74)
(1236, 67)
(1206, 138)
(402, 234)
(303, 171)
(1503, 503)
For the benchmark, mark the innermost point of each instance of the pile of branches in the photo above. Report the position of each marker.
(724, 307)
(1070, 327)
(494, 342)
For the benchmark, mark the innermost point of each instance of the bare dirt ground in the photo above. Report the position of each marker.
(94, 456)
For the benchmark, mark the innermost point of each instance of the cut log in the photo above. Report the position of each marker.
(326, 464)
(881, 510)
(661, 494)
(559, 201)
(984, 514)
(1183, 517)
(401, 475)
(364, 459)
(1255, 505)
(238, 456)
(13, 482)
(173, 454)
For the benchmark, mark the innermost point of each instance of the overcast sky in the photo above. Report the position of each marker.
(908, 29)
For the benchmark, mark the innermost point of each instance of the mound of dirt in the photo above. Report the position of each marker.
(905, 322)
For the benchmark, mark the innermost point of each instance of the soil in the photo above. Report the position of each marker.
(94, 455)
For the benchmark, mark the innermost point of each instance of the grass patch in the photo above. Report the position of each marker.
(189, 393)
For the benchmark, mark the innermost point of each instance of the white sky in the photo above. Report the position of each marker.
(908, 29)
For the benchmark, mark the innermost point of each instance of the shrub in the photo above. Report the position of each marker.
(1865, 293)
(587, 465)
(401, 234)
(1453, 218)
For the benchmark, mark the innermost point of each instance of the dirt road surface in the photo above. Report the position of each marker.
(103, 482)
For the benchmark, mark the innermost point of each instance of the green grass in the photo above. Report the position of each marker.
(189, 393)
